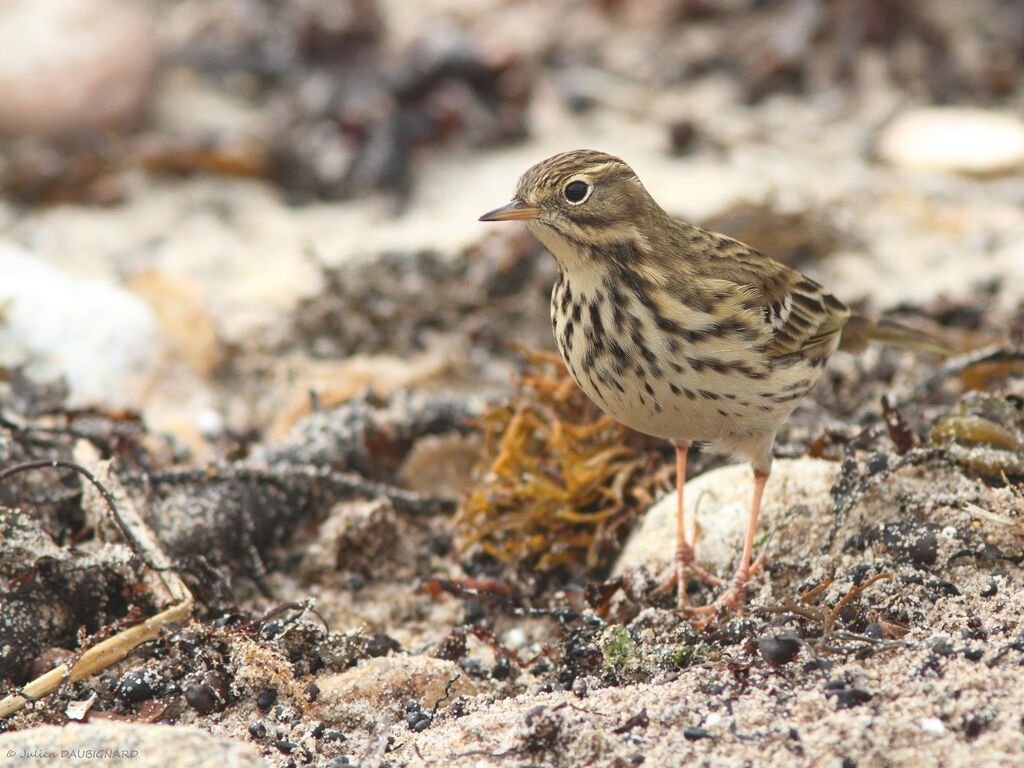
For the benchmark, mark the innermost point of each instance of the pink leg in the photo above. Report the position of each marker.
(739, 581)
(735, 595)
(684, 552)
(684, 555)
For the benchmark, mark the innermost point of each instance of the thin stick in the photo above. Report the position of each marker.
(99, 657)
(164, 582)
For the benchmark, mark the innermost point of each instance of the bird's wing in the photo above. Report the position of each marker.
(800, 313)
(797, 315)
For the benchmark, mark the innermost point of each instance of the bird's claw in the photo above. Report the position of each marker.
(734, 598)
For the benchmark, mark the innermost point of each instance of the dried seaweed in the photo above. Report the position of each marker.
(558, 480)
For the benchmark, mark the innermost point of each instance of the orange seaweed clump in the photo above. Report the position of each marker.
(557, 479)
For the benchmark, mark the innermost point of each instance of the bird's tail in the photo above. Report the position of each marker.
(860, 329)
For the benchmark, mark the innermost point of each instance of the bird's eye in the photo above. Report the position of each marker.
(577, 191)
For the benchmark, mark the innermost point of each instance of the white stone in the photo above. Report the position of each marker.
(103, 341)
(933, 726)
(68, 65)
(798, 492)
(961, 139)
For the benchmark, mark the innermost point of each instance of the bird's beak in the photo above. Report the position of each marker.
(517, 210)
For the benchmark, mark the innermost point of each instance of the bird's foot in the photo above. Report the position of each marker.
(734, 598)
(673, 579)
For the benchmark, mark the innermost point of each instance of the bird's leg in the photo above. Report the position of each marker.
(735, 595)
(684, 551)
(684, 554)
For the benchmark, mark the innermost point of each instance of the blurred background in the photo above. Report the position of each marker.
(212, 208)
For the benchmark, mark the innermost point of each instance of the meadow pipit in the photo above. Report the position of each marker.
(680, 332)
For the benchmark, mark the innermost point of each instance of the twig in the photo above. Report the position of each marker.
(166, 585)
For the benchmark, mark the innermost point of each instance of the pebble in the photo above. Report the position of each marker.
(779, 647)
(73, 65)
(721, 500)
(358, 696)
(959, 139)
(102, 340)
(105, 743)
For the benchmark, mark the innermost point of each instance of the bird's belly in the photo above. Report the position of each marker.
(714, 390)
(676, 401)
(690, 405)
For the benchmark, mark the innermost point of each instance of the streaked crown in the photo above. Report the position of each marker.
(589, 189)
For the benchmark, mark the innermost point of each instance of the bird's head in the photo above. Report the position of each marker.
(582, 203)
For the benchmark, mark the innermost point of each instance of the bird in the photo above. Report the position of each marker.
(682, 333)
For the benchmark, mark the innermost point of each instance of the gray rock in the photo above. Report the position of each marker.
(798, 492)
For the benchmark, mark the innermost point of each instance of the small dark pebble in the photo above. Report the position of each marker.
(694, 732)
(637, 758)
(848, 698)
(379, 644)
(545, 688)
(136, 685)
(579, 687)
(338, 736)
(258, 730)
(420, 725)
(990, 589)
(973, 654)
(876, 463)
(873, 630)
(914, 541)
(941, 646)
(779, 647)
(943, 587)
(267, 699)
(925, 550)
(285, 747)
(975, 724)
(540, 667)
(311, 692)
(849, 762)
(201, 698)
(502, 669)
(338, 762)
(356, 582)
